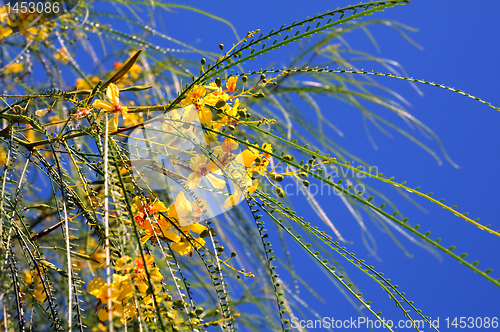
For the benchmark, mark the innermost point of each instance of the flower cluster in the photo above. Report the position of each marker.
(131, 285)
(163, 223)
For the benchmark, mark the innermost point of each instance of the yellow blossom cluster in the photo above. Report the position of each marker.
(131, 277)
(163, 223)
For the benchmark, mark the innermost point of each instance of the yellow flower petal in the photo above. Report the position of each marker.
(113, 124)
(248, 157)
(113, 94)
(205, 115)
(216, 182)
(193, 181)
(103, 314)
(94, 286)
(231, 83)
(124, 263)
(158, 207)
(103, 105)
(146, 237)
(182, 248)
(197, 228)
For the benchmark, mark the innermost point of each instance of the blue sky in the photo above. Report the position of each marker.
(460, 43)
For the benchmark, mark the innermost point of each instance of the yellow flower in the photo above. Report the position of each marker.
(113, 106)
(183, 210)
(82, 84)
(251, 154)
(200, 167)
(3, 156)
(148, 218)
(62, 55)
(184, 246)
(120, 291)
(231, 83)
(35, 282)
(5, 30)
(169, 229)
(138, 274)
(14, 68)
(223, 157)
(195, 97)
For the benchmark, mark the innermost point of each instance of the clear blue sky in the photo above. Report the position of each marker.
(461, 45)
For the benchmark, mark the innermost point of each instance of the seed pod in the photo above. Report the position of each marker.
(280, 192)
(276, 177)
(221, 103)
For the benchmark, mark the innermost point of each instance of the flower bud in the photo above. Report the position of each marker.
(280, 192)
